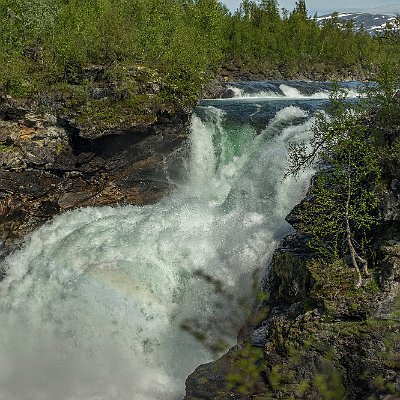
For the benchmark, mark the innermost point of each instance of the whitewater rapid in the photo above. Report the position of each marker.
(282, 90)
(93, 304)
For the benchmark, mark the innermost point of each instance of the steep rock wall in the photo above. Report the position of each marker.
(51, 162)
(313, 336)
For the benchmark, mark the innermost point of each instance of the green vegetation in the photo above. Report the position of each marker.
(4, 148)
(262, 40)
(45, 44)
(248, 369)
(353, 146)
(333, 289)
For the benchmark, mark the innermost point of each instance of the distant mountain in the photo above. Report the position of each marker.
(387, 9)
(392, 9)
(373, 23)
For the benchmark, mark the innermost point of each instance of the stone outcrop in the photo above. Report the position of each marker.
(391, 202)
(51, 162)
(233, 73)
(314, 336)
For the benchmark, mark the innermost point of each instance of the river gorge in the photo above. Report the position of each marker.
(124, 302)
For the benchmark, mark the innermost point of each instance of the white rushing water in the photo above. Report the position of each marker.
(287, 92)
(93, 304)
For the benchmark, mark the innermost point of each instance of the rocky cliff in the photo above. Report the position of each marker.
(54, 158)
(313, 335)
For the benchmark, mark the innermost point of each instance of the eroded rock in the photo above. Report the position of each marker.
(48, 165)
(391, 202)
(314, 335)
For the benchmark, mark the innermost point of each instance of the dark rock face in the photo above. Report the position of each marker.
(391, 203)
(48, 166)
(234, 73)
(213, 89)
(227, 94)
(315, 336)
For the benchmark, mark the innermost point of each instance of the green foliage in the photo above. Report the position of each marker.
(330, 386)
(6, 148)
(352, 147)
(248, 369)
(334, 290)
(345, 194)
(383, 99)
(263, 39)
(45, 42)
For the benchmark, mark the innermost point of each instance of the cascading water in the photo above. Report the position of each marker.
(94, 303)
(288, 89)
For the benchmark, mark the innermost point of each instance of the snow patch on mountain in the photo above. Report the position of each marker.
(372, 23)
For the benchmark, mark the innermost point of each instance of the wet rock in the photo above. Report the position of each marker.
(213, 89)
(389, 278)
(48, 165)
(288, 268)
(227, 94)
(74, 199)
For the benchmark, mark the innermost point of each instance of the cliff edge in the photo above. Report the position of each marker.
(107, 139)
(312, 335)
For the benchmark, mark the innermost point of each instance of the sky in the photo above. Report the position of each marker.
(323, 6)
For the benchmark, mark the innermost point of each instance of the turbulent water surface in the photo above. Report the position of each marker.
(94, 304)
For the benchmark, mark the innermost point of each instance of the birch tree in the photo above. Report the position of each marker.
(342, 206)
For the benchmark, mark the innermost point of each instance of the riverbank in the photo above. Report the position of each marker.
(216, 87)
(315, 336)
(85, 145)
(234, 73)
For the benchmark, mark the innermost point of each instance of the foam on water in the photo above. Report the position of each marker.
(284, 92)
(93, 304)
(293, 93)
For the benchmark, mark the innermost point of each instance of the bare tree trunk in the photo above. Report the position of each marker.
(354, 256)
(364, 263)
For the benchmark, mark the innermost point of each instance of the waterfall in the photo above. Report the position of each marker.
(95, 303)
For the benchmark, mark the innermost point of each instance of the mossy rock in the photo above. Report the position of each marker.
(334, 289)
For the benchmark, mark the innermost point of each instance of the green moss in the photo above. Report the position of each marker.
(245, 374)
(60, 148)
(6, 148)
(129, 94)
(334, 289)
(107, 113)
(330, 385)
